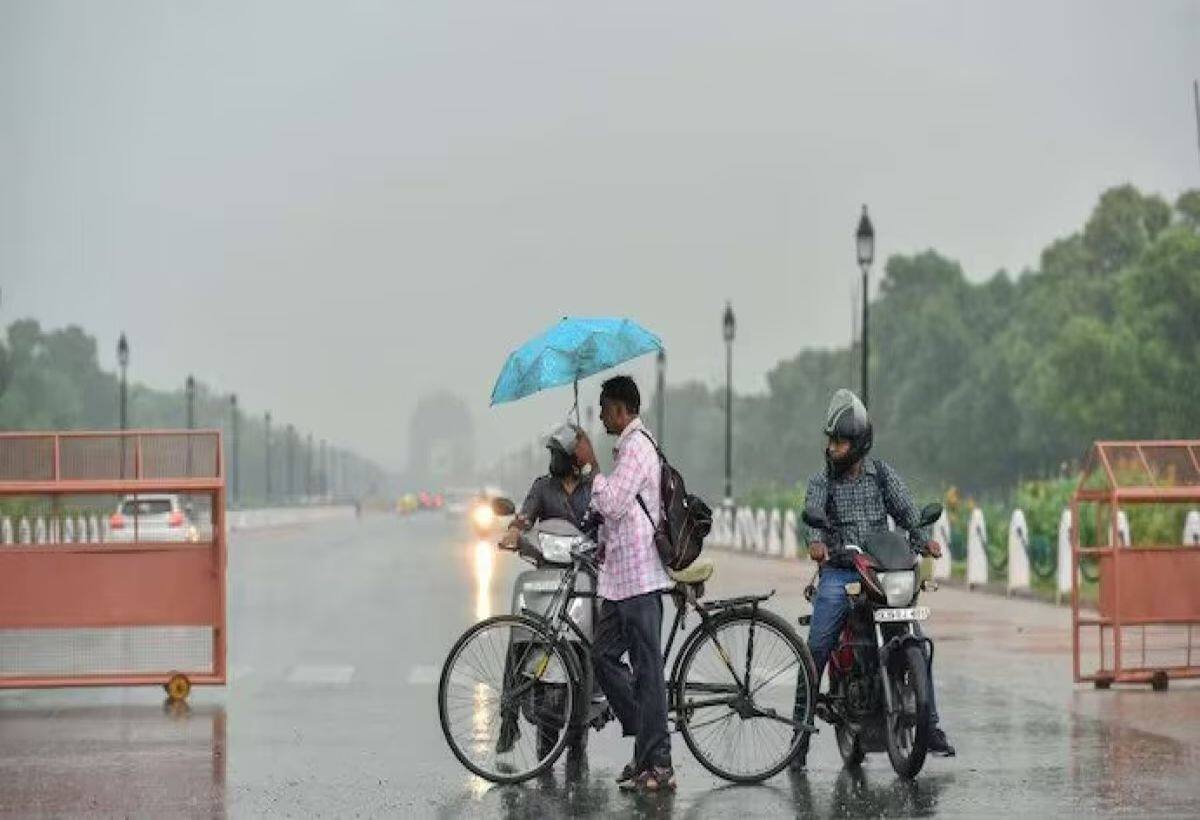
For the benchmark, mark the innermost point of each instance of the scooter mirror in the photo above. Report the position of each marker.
(503, 506)
(930, 513)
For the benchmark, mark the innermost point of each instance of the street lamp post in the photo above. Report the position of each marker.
(267, 438)
(235, 473)
(190, 389)
(729, 327)
(323, 471)
(865, 245)
(308, 469)
(290, 438)
(123, 361)
(662, 398)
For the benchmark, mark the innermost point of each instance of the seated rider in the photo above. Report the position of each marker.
(564, 492)
(855, 494)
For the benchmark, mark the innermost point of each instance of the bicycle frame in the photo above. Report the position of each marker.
(556, 617)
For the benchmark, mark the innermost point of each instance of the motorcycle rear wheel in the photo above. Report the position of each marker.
(906, 730)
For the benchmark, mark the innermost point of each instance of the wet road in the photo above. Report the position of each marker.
(337, 634)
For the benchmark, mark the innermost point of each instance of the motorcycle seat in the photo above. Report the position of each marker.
(697, 573)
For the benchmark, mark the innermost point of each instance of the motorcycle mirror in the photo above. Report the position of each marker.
(817, 522)
(503, 506)
(930, 513)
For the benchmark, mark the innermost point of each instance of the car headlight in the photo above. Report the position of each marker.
(556, 548)
(483, 516)
(898, 587)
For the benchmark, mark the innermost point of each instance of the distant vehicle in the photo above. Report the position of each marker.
(407, 503)
(151, 517)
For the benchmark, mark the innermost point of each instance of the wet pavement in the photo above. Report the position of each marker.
(337, 634)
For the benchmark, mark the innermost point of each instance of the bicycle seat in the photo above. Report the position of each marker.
(695, 574)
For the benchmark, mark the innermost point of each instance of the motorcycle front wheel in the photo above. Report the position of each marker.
(908, 725)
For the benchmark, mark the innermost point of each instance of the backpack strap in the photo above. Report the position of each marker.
(661, 459)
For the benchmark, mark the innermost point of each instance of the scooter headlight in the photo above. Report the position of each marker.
(555, 548)
(898, 587)
(483, 516)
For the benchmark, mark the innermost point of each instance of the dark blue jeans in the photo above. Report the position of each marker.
(831, 606)
(638, 697)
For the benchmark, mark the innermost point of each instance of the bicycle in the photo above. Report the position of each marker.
(741, 690)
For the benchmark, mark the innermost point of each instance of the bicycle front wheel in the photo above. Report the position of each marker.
(507, 692)
(746, 687)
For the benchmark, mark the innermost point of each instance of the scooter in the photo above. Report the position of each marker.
(547, 546)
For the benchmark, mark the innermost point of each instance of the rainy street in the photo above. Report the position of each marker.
(337, 634)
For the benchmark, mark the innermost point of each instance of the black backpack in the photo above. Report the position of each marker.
(685, 519)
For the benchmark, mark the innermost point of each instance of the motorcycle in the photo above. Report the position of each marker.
(879, 672)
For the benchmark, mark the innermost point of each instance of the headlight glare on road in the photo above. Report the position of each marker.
(898, 587)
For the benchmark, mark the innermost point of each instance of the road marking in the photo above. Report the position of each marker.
(424, 675)
(326, 675)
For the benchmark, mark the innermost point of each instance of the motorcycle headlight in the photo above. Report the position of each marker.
(556, 548)
(898, 587)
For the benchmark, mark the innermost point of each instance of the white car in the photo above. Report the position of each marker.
(151, 517)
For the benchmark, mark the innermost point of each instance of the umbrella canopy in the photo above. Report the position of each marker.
(571, 350)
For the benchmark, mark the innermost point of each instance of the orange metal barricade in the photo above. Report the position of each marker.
(120, 577)
(1148, 608)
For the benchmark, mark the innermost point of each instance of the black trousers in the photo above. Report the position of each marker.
(637, 696)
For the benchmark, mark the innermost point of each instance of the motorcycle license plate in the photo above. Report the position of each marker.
(912, 613)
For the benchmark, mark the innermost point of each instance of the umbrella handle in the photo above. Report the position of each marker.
(576, 408)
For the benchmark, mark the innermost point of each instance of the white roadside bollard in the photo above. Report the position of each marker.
(95, 532)
(726, 537)
(1123, 529)
(24, 531)
(1191, 529)
(1018, 554)
(942, 566)
(39, 530)
(791, 539)
(745, 529)
(775, 533)
(6, 530)
(977, 565)
(81, 529)
(760, 531)
(68, 530)
(1063, 574)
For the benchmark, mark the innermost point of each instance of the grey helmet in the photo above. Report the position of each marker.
(847, 419)
(561, 444)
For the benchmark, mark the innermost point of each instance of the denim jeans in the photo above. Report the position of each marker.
(831, 606)
(637, 697)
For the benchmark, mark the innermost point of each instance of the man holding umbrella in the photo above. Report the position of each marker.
(631, 580)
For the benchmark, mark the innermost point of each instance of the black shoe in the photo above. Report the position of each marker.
(628, 773)
(509, 732)
(938, 744)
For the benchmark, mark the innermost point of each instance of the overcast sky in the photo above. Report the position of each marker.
(334, 208)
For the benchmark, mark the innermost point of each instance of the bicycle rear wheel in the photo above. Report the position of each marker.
(506, 688)
(745, 688)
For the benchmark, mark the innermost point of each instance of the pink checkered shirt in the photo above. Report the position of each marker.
(631, 563)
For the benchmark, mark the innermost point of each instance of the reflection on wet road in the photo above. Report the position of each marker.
(337, 637)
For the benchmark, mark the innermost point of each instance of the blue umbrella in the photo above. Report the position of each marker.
(571, 350)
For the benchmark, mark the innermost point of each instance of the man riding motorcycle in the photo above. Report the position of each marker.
(564, 492)
(855, 494)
